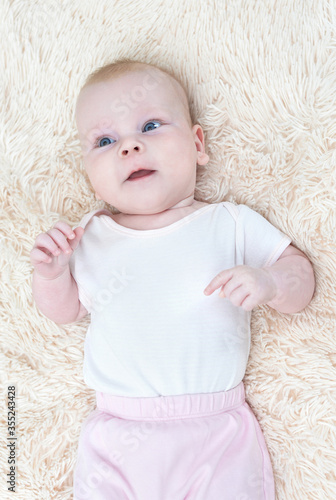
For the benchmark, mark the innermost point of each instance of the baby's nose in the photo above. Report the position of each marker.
(130, 145)
(125, 152)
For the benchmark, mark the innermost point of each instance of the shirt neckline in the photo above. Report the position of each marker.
(161, 230)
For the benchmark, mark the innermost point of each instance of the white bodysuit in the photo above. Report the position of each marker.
(153, 332)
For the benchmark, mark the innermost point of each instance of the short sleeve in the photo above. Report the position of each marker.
(80, 260)
(75, 265)
(259, 242)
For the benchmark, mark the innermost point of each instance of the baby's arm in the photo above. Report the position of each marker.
(295, 282)
(54, 289)
(287, 286)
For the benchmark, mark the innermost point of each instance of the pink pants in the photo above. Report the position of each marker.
(188, 447)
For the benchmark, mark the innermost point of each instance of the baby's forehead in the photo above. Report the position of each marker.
(134, 87)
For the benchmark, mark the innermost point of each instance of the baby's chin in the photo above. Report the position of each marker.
(150, 201)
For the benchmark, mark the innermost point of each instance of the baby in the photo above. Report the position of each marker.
(164, 353)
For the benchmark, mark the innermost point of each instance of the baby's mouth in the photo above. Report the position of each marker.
(140, 173)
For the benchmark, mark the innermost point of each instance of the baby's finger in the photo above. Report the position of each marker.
(237, 296)
(45, 242)
(37, 256)
(249, 303)
(230, 286)
(65, 229)
(221, 279)
(78, 232)
(60, 240)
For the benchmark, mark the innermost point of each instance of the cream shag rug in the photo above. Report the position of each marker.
(261, 76)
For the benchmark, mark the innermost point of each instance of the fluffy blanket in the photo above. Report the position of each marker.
(261, 77)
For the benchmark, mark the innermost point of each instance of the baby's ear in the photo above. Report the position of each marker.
(202, 158)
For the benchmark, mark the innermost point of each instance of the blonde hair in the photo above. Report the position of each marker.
(122, 66)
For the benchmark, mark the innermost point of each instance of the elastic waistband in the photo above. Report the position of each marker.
(171, 407)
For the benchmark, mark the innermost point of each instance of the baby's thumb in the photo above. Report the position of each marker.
(79, 231)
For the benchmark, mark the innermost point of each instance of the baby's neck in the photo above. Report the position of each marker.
(162, 219)
(186, 202)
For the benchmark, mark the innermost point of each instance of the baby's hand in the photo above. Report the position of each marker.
(244, 286)
(52, 250)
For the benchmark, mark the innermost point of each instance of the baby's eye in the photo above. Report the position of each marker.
(153, 124)
(103, 141)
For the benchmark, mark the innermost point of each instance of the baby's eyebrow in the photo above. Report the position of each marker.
(95, 131)
(98, 128)
(108, 123)
(163, 112)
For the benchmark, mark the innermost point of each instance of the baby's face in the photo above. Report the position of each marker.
(138, 121)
